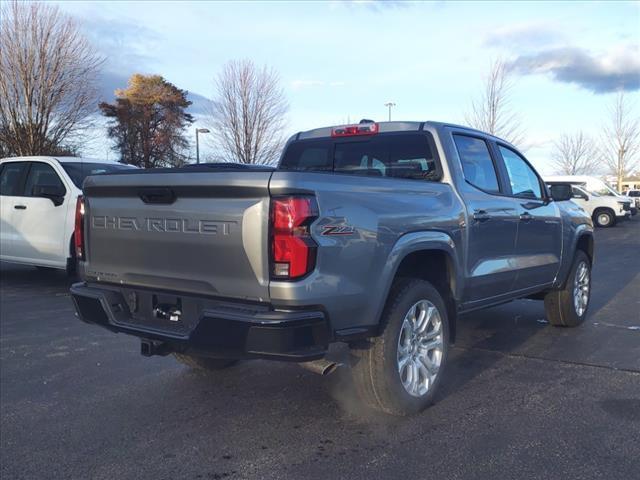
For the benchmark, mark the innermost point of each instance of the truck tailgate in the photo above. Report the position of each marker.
(198, 232)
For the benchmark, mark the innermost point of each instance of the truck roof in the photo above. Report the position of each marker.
(61, 159)
(394, 126)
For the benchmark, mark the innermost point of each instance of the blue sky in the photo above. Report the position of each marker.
(341, 61)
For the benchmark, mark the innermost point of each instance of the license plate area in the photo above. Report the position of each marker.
(163, 312)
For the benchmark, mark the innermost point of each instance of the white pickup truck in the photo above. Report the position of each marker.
(38, 204)
(603, 204)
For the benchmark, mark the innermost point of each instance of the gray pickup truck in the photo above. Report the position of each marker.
(374, 235)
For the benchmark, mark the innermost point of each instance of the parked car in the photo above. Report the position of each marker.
(596, 185)
(38, 207)
(604, 210)
(635, 196)
(377, 235)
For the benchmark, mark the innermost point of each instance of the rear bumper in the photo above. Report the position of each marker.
(221, 329)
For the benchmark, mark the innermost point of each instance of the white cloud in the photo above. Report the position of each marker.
(618, 68)
(524, 36)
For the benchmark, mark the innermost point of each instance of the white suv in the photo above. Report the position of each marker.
(37, 207)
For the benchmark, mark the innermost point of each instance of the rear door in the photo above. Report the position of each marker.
(39, 222)
(11, 187)
(539, 242)
(185, 231)
(493, 222)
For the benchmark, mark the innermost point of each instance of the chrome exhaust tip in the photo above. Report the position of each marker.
(321, 367)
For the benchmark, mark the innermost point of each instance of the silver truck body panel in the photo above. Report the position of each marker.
(212, 240)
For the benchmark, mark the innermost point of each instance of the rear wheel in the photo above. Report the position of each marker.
(399, 371)
(604, 218)
(568, 307)
(204, 363)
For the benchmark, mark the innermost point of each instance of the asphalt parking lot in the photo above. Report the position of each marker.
(521, 399)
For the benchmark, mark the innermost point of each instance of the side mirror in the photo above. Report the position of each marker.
(561, 192)
(54, 193)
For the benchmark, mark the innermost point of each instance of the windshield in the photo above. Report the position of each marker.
(603, 189)
(81, 170)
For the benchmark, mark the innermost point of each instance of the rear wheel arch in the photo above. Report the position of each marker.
(438, 267)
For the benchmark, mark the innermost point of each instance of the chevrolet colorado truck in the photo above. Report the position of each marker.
(373, 235)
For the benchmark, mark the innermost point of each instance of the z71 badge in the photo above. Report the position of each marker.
(338, 230)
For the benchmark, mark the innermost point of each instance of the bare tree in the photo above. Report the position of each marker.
(249, 113)
(621, 139)
(491, 111)
(47, 79)
(575, 154)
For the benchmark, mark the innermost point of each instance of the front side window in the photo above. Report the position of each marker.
(477, 164)
(11, 178)
(524, 181)
(42, 175)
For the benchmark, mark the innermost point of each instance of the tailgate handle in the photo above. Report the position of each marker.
(162, 195)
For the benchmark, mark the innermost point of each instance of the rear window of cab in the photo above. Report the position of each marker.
(407, 156)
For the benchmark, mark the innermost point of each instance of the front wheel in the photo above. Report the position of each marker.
(399, 371)
(604, 218)
(568, 307)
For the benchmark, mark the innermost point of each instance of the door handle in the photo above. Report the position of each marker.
(20, 207)
(481, 216)
(526, 217)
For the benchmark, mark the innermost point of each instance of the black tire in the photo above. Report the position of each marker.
(204, 363)
(72, 261)
(604, 218)
(375, 366)
(559, 305)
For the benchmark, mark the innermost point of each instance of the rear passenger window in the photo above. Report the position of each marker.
(411, 157)
(360, 158)
(10, 178)
(396, 156)
(42, 175)
(477, 163)
(308, 156)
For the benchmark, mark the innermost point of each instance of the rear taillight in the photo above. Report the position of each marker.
(354, 130)
(78, 233)
(293, 251)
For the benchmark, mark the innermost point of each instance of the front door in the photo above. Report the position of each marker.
(539, 241)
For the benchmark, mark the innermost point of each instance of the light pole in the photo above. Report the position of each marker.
(199, 130)
(389, 105)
